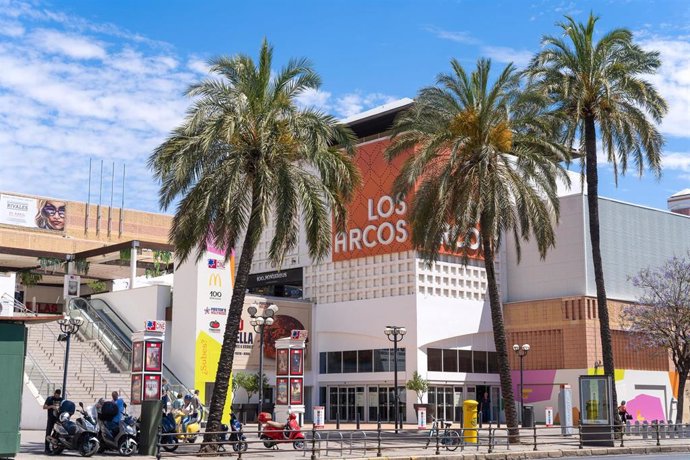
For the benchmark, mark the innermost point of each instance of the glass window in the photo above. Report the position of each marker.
(381, 360)
(434, 359)
(480, 362)
(335, 362)
(365, 360)
(465, 361)
(450, 360)
(493, 362)
(322, 362)
(350, 361)
(401, 359)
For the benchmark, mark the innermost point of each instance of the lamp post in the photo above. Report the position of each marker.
(521, 351)
(68, 326)
(395, 334)
(259, 322)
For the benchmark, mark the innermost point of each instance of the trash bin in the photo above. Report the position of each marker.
(528, 417)
(150, 420)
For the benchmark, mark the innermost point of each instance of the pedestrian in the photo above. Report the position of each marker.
(166, 392)
(485, 408)
(623, 412)
(52, 405)
(120, 408)
(178, 404)
(196, 402)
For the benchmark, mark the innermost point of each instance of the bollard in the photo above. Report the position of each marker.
(623, 433)
(378, 438)
(313, 441)
(534, 427)
(491, 439)
(437, 439)
(357, 419)
(579, 432)
(671, 429)
(645, 429)
(337, 419)
(656, 427)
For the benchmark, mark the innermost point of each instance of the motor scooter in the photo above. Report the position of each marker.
(273, 433)
(80, 435)
(122, 438)
(233, 435)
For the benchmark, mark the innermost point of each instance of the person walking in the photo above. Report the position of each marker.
(196, 402)
(52, 405)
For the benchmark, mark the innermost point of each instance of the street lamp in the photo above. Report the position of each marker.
(68, 326)
(395, 334)
(521, 351)
(258, 323)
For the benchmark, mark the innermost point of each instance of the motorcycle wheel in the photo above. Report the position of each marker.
(298, 445)
(190, 439)
(267, 444)
(88, 446)
(126, 446)
(169, 440)
(55, 448)
(241, 446)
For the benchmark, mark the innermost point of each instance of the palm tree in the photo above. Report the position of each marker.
(246, 153)
(599, 85)
(481, 155)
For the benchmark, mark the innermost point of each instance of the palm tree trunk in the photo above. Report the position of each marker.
(227, 351)
(682, 378)
(500, 339)
(593, 202)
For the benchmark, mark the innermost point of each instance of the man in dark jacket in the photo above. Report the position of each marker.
(52, 404)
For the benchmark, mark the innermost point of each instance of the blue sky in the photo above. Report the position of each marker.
(105, 79)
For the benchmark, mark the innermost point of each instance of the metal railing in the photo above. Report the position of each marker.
(113, 335)
(643, 438)
(33, 372)
(16, 305)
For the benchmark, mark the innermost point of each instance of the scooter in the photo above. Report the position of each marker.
(273, 433)
(233, 435)
(169, 441)
(80, 435)
(123, 439)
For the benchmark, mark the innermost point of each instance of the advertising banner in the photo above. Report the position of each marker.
(46, 214)
(319, 416)
(377, 221)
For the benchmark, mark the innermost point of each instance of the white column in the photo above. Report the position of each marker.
(133, 265)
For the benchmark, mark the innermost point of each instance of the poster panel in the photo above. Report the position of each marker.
(136, 389)
(153, 356)
(296, 391)
(296, 362)
(152, 387)
(137, 356)
(282, 391)
(282, 361)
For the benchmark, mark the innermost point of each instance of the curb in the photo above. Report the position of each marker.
(558, 453)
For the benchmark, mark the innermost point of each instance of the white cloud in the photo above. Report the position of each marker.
(198, 66)
(11, 28)
(354, 103)
(506, 54)
(677, 161)
(316, 98)
(453, 35)
(52, 41)
(673, 82)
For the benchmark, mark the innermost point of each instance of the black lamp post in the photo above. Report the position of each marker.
(521, 351)
(395, 334)
(68, 326)
(259, 322)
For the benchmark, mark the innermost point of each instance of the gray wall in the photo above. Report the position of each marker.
(632, 238)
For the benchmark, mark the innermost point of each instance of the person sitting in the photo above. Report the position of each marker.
(191, 414)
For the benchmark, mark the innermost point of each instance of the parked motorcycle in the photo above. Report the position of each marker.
(121, 439)
(273, 433)
(233, 435)
(80, 435)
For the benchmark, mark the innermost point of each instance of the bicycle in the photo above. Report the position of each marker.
(450, 439)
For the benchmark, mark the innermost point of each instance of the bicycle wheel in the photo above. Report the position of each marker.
(452, 440)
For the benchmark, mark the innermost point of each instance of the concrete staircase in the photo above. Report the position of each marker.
(90, 374)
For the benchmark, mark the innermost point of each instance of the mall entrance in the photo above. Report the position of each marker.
(445, 401)
(369, 402)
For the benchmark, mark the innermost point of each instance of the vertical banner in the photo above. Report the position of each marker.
(548, 416)
(319, 417)
(421, 418)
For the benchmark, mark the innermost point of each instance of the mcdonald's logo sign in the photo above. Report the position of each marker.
(215, 280)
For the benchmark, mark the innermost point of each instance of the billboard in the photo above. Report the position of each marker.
(377, 222)
(46, 214)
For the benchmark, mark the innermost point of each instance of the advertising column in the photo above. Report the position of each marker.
(147, 362)
(290, 376)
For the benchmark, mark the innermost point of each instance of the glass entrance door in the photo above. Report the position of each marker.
(345, 402)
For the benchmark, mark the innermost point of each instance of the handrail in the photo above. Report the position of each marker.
(17, 306)
(110, 340)
(31, 366)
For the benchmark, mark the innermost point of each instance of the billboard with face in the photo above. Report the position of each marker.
(46, 214)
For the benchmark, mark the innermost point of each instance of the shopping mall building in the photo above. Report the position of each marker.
(373, 279)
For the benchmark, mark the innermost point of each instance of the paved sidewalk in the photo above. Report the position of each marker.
(408, 445)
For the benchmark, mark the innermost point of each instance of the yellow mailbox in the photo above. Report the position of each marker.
(469, 409)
